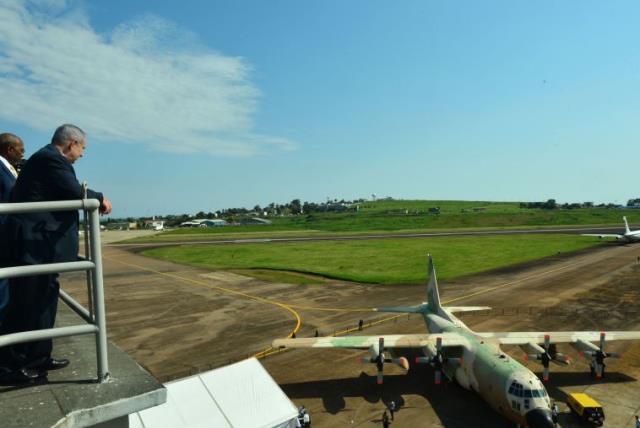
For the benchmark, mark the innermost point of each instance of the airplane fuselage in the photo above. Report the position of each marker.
(506, 385)
(631, 236)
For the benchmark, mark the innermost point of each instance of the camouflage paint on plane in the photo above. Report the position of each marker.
(474, 360)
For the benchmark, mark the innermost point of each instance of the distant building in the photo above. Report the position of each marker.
(204, 223)
(335, 207)
(255, 220)
(121, 225)
(154, 224)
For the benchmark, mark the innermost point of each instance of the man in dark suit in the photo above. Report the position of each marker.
(38, 238)
(11, 153)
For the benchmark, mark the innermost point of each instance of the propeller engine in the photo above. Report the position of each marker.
(438, 361)
(379, 359)
(546, 354)
(597, 355)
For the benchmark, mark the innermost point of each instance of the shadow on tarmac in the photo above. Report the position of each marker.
(445, 399)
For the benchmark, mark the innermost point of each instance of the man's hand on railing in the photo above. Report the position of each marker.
(105, 208)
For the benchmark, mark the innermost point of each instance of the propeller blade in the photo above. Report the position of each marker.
(379, 378)
(602, 338)
(438, 377)
(598, 371)
(439, 344)
(547, 340)
(545, 374)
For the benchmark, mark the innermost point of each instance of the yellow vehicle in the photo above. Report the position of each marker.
(587, 409)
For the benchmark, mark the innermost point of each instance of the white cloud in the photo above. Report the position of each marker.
(146, 82)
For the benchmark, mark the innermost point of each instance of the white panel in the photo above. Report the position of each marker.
(162, 416)
(134, 421)
(248, 396)
(196, 407)
(242, 395)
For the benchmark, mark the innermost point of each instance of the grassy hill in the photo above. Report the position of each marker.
(410, 216)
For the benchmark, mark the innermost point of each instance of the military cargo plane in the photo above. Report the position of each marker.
(474, 359)
(627, 236)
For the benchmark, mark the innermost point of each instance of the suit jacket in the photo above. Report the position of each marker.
(7, 180)
(46, 237)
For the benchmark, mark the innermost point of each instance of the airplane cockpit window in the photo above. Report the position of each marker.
(516, 389)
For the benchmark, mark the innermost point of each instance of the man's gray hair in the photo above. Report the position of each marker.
(66, 133)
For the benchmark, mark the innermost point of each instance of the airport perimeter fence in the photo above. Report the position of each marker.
(91, 263)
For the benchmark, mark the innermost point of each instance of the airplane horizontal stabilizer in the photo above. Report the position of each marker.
(454, 309)
(404, 309)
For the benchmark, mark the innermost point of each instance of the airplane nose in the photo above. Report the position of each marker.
(539, 418)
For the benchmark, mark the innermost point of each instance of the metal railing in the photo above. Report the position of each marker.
(91, 263)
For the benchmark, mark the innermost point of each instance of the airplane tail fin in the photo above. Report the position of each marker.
(433, 305)
(433, 297)
(626, 225)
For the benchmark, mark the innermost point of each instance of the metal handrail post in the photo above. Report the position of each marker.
(98, 294)
(87, 251)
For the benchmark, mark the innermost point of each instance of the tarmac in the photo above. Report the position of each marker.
(177, 320)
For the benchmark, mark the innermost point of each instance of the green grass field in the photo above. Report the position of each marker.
(407, 216)
(381, 261)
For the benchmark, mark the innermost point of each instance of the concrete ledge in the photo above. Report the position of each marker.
(72, 397)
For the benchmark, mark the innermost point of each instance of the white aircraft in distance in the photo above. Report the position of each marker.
(628, 236)
(475, 360)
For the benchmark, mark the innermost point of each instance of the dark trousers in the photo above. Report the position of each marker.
(33, 306)
(4, 297)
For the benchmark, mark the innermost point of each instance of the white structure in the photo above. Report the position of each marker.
(204, 222)
(242, 395)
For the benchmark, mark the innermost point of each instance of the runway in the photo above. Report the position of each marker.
(357, 237)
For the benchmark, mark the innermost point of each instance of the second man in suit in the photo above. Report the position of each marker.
(11, 153)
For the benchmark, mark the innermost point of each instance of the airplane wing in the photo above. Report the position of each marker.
(365, 342)
(525, 337)
(602, 235)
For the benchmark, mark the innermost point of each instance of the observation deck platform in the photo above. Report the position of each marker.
(72, 397)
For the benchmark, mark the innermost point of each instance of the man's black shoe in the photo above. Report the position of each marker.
(53, 364)
(22, 376)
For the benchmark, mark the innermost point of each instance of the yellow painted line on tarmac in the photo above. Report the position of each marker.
(272, 351)
(314, 308)
(223, 289)
(466, 296)
(509, 284)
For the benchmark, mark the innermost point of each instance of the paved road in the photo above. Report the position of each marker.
(389, 235)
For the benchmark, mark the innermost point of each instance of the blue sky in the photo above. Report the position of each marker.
(202, 105)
